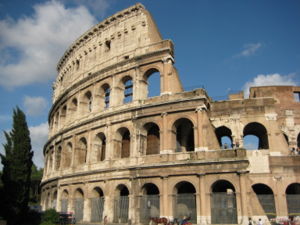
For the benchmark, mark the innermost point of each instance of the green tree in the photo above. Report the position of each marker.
(17, 163)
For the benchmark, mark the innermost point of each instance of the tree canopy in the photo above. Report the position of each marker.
(16, 174)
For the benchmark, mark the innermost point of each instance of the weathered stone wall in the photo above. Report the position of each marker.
(109, 139)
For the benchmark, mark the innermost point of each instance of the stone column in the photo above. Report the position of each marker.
(58, 200)
(164, 199)
(203, 203)
(200, 145)
(280, 198)
(166, 139)
(244, 200)
(87, 209)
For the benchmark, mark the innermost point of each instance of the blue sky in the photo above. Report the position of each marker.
(223, 46)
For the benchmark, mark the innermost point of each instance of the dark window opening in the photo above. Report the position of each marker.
(184, 130)
(153, 140)
(258, 132)
(297, 96)
(152, 77)
(224, 137)
(106, 90)
(266, 199)
(128, 90)
(107, 45)
(125, 150)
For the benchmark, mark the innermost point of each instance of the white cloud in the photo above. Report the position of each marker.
(39, 136)
(269, 79)
(98, 7)
(250, 49)
(35, 106)
(36, 42)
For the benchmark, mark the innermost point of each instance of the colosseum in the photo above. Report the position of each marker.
(118, 155)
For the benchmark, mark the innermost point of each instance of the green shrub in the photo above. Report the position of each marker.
(49, 217)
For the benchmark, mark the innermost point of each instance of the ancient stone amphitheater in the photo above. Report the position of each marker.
(117, 152)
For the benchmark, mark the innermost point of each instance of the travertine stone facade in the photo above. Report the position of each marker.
(119, 153)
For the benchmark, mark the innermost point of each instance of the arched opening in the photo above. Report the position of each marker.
(63, 115)
(67, 154)
(123, 143)
(224, 137)
(149, 203)
(259, 131)
(293, 199)
(58, 158)
(81, 151)
(97, 205)
(100, 147)
(79, 205)
(57, 120)
(298, 141)
(64, 201)
(121, 204)
(152, 77)
(185, 201)
(184, 131)
(266, 199)
(223, 203)
(88, 102)
(48, 201)
(54, 200)
(128, 89)
(286, 138)
(51, 161)
(106, 95)
(74, 105)
(153, 139)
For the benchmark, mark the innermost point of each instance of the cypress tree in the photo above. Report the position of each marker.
(17, 163)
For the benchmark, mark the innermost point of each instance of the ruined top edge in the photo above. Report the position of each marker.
(97, 27)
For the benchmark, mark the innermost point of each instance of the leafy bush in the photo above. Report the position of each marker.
(50, 217)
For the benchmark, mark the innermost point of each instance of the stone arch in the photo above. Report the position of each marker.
(127, 86)
(298, 141)
(48, 201)
(56, 120)
(58, 158)
(223, 203)
(97, 204)
(67, 155)
(286, 138)
(74, 104)
(81, 151)
(259, 131)
(152, 138)
(224, 132)
(292, 193)
(122, 143)
(87, 102)
(149, 77)
(78, 204)
(185, 201)
(183, 135)
(105, 92)
(149, 202)
(121, 204)
(266, 199)
(54, 200)
(51, 159)
(64, 201)
(99, 147)
(63, 115)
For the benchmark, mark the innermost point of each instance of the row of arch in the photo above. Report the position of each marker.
(92, 101)
(222, 198)
(182, 136)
